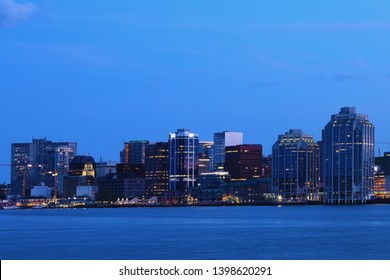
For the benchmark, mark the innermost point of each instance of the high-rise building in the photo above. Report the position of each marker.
(183, 160)
(295, 167)
(267, 167)
(20, 160)
(221, 141)
(205, 157)
(39, 161)
(134, 152)
(348, 158)
(244, 162)
(157, 168)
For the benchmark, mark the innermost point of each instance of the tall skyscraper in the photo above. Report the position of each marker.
(244, 162)
(205, 157)
(157, 168)
(32, 163)
(221, 141)
(348, 159)
(134, 152)
(183, 160)
(295, 166)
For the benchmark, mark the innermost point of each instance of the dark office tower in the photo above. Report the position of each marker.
(295, 160)
(386, 167)
(221, 141)
(244, 162)
(20, 160)
(82, 172)
(39, 161)
(348, 161)
(383, 163)
(183, 160)
(205, 153)
(157, 168)
(267, 167)
(134, 152)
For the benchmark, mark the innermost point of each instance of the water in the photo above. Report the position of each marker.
(265, 232)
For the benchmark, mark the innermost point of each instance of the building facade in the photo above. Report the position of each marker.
(82, 172)
(183, 160)
(211, 187)
(348, 158)
(157, 168)
(382, 176)
(205, 157)
(134, 152)
(39, 161)
(221, 141)
(295, 167)
(244, 162)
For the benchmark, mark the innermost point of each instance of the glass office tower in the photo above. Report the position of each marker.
(348, 158)
(295, 170)
(183, 160)
(221, 141)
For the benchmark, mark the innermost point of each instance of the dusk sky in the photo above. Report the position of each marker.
(101, 72)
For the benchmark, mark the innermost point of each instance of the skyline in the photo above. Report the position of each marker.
(102, 73)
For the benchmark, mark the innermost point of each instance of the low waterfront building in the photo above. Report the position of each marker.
(210, 187)
(250, 191)
(41, 191)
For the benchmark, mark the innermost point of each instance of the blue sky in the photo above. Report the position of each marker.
(101, 72)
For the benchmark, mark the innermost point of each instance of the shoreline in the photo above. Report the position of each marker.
(265, 203)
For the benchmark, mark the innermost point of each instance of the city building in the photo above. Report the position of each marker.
(244, 162)
(82, 172)
(221, 141)
(125, 170)
(39, 161)
(103, 168)
(295, 167)
(267, 167)
(249, 192)
(205, 153)
(114, 186)
(134, 152)
(183, 160)
(382, 176)
(86, 191)
(63, 157)
(157, 168)
(383, 163)
(380, 190)
(210, 187)
(41, 191)
(348, 158)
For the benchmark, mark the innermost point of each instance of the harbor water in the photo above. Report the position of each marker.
(349, 232)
